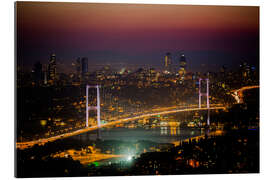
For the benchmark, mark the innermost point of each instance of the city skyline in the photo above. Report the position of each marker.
(136, 89)
(137, 34)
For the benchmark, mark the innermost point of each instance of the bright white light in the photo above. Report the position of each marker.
(129, 158)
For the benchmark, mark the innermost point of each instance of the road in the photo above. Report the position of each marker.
(28, 144)
(86, 158)
(238, 93)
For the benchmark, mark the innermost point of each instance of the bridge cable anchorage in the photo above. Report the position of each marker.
(97, 107)
(207, 97)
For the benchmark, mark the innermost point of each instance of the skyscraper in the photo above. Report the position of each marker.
(81, 66)
(52, 69)
(84, 66)
(245, 70)
(182, 67)
(78, 68)
(168, 61)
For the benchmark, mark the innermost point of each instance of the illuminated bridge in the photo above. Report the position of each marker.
(162, 111)
(237, 94)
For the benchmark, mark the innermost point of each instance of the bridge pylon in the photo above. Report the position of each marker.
(207, 97)
(97, 107)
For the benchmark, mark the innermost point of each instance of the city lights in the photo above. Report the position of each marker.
(136, 89)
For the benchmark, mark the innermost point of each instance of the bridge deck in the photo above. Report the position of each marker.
(24, 145)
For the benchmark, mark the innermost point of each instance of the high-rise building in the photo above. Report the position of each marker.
(78, 68)
(52, 69)
(81, 66)
(168, 61)
(84, 66)
(182, 67)
(245, 70)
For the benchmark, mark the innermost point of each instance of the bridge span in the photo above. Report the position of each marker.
(28, 144)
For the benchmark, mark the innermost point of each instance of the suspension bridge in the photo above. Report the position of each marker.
(23, 145)
(132, 116)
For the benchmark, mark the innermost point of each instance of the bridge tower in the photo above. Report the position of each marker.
(207, 97)
(97, 107)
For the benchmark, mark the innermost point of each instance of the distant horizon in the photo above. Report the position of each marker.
(94, 65)
(137, 34)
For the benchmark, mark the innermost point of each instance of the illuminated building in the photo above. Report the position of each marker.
(245, 71)
(52, 69)
(182, 67)
(81, 68)
(168, 62)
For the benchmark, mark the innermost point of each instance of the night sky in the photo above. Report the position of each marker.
(134, 35)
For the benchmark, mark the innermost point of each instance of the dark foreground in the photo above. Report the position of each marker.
(235, 152)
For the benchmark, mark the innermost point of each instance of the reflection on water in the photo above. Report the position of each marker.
(163, 130)
(173, 131)
(159, 129)
(130, 142)
(172, 128)
(112, 150)
(133, 138)
(163, 134)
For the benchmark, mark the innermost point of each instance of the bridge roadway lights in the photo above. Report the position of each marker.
(24, 145)
(207, 98)
(97, 108)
